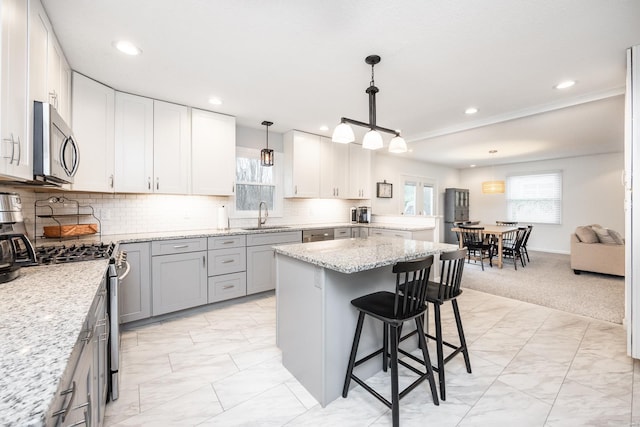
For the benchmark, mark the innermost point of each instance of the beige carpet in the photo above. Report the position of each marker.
(549, 281)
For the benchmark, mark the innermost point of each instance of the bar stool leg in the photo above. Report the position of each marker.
(436, 312)
(427, 360)
(352, 357)
(385, 346)
(395, 394)
(463, 342)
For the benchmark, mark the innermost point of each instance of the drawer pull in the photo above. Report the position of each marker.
(180, 246)
(228, 287)
(65, 411)
(227, 261)
(228, 242)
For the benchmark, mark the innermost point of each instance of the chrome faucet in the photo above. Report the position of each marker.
(261, 221)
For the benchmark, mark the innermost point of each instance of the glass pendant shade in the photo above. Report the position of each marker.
(343, 133)
(397, 145)
(493, 187)
(372, 140)
(266, 157)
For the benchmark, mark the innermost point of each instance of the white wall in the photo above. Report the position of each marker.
(592, 193)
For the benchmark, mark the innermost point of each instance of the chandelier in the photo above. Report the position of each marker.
(343, 133)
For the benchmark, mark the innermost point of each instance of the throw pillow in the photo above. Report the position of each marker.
(586, 234)
(603, 235)
(617, 237)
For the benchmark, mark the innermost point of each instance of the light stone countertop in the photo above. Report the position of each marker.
(354, 255)
(42, 313)
(185, 234)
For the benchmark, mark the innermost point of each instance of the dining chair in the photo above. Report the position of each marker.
(523, 248)
(478, 247)
(512, 246)
(393, 309)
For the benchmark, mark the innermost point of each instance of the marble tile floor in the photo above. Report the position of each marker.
(532, 366)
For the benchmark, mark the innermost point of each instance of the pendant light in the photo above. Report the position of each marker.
(266, 154)
(343, 133)
(493, 186)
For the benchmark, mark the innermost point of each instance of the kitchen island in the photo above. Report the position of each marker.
(315, 319)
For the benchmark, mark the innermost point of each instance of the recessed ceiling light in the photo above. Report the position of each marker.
(564, 85)
(471, 110)
(472, 166)
(215, 101)
(127, 47)
(324, 128)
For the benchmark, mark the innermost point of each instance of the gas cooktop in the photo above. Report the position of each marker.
(73, 253)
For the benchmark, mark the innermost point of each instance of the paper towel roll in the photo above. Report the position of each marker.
(223, 219)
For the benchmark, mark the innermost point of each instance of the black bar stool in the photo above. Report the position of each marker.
(393, 309)
(447, 289)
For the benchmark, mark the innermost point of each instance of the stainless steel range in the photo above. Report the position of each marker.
(118, 270)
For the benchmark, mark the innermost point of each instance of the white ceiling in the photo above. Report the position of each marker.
(301, 65)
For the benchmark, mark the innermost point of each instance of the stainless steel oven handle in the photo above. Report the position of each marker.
(126, 272)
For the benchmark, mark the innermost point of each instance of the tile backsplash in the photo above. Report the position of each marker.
(140, 213)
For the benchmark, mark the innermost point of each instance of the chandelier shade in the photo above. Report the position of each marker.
(493, 187)
(343, 133)
(372, 140)
(397, 145)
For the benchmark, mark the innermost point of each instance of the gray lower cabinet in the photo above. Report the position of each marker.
(261, 269)
(342, 233)
(135, 289)
(390, 233)
(227, 261)
(359, 232)
(178, 275)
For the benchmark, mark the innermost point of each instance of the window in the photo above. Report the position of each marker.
(418, 196)
(535, 198)
(255, 183)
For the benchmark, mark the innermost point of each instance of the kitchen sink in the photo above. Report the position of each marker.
(266, 227)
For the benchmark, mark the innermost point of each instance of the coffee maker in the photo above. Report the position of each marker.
(363, 214)
(16, 249)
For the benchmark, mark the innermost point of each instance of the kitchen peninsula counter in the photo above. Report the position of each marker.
(315, 320)
(42, 313)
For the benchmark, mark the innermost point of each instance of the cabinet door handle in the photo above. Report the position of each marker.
(111, 181)
(295, 190)
(19, 151)
(227, 261)
(180, 246)
(157, 183)
(228, 287)
(148, 183)
(233, 187)
(13, 149)
(204, 261)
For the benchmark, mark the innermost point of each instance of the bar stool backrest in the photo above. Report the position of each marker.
(411, 286)
(451, 267)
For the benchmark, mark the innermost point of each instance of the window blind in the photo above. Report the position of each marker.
(535, 198)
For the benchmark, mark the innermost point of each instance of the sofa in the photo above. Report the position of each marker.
(597, 249)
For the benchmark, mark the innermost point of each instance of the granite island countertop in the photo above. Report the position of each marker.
(42, 313)
(355, 255)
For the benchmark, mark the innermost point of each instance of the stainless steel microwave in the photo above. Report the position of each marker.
(55, 151)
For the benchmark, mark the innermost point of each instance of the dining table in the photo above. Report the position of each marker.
(496, 230)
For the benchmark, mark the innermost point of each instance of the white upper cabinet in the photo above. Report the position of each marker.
(133, 144)
(213, 153)
(15, 148)
(49, 71)
(171, 148)
(359, 172)
(93, 127)
(301, 165)
(152, 146)
(334, 167)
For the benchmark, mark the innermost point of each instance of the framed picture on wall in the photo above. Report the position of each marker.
(384, 190)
